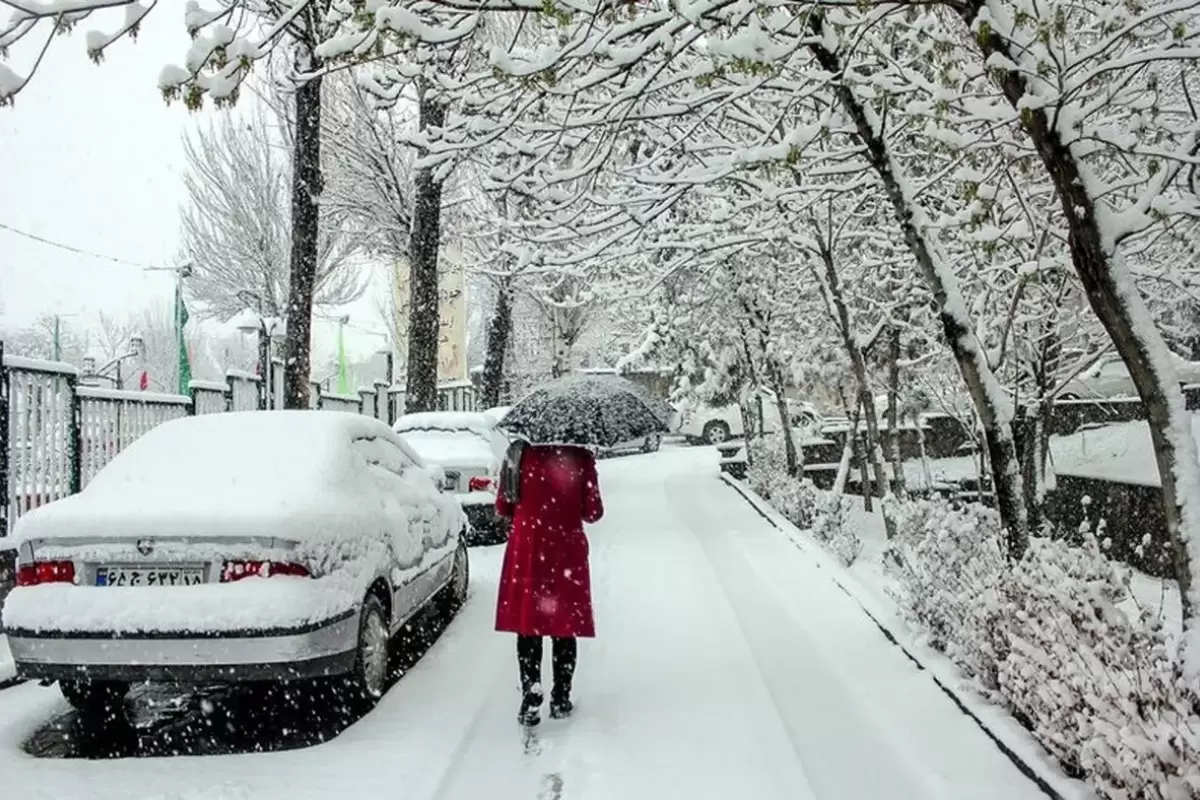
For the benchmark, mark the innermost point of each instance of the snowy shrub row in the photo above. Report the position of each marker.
(822, 514)
(1058, 640)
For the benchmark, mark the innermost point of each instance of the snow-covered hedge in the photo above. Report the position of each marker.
(947, 558)
(1058, 639)
(822, 514)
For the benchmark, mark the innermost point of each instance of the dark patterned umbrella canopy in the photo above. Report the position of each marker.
(587, 410)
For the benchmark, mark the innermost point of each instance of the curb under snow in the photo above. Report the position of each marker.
(1014, 741)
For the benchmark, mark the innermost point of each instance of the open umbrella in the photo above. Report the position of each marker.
(586, 410)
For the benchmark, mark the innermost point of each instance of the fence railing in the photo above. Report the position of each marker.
(56, 434)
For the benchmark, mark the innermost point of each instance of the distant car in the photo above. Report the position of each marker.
(469, 449)
(252, 546)
(1108, 378)
(717, 424)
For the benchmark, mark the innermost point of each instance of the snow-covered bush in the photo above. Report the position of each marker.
(948, 559)
(1095, 678)
(822, 514)
(831, 528)
(1059, 641)
(797, 500)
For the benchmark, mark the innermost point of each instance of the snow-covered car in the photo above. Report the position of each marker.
(251, 546)
(469, 449)
(717, 424)
(1108, 377)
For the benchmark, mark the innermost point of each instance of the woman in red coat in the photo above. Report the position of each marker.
(545, 587)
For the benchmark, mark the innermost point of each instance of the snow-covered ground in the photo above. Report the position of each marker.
(1118, 452)
(728, 664)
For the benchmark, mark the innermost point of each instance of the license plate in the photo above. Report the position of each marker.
(149, 576)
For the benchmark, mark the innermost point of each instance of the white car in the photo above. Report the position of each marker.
(253, 546)
(1108, 377)
(469, 449)
(717, 424)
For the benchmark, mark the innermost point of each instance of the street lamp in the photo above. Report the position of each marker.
(89, 363)
(268, 330)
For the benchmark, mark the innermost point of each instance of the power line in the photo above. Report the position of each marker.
(79, 251)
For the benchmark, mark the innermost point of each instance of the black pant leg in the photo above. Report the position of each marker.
(529, 659)
(566, 654)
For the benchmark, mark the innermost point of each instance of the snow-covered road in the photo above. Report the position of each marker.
(727, 665)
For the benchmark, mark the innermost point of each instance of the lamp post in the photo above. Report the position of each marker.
(89, 363)
(266, 329)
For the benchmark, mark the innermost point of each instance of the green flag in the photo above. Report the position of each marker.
(185, 365)
(343, 382)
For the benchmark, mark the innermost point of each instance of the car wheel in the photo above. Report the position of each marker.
(371, 661)
(455, 594)
(103, 699)
(1068, 396)
(716, 432)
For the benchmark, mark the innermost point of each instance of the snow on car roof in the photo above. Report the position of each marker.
(457, 448)
(476, 422)
(211, 474)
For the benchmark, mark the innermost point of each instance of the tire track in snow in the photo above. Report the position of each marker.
(685, 712)
(786, 680)
(854, 682)
(1020, 762)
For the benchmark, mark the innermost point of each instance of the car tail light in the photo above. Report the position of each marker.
(480, 484)
(236, 570)
(46, 572)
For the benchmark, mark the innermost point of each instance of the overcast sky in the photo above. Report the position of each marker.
(91, 157)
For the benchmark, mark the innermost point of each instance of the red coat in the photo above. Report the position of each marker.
(545, 585)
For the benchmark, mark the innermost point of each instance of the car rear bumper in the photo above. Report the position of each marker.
(320, 649)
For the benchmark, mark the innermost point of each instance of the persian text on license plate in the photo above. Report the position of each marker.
(149, 576)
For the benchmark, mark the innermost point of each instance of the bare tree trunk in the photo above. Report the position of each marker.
(843, 473)
(858, 363)
(774, 378)
(977, 374)
(423, 252)
(895, 454)
(756, 426)
(747, 427)
(794, 462)
(1121, 311)
(925, 472)
(864, 479)
(498, 335)
(306, 228)
(561, 343)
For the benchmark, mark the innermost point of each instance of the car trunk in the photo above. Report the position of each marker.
(158, 561)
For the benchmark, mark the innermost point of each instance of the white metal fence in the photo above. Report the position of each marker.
(56, 434)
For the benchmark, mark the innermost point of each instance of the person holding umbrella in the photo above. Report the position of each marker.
(549, 487)
(545, 584)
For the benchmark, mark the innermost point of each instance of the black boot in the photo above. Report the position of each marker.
(565, 656)
(529, 659)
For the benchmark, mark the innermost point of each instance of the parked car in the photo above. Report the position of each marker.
(717, 424)
(1109, 378)
(469, 449)
(253, 546)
